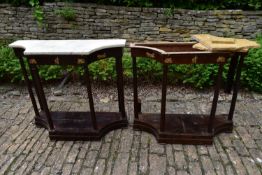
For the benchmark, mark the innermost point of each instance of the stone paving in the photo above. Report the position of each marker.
(26, 149)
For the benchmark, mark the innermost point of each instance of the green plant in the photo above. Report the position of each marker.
(199, 76)
(38, 12)
(67, 13)
(9, 65)
(103, 69)
(143, 3)
(252, 69)
(51, 72)
(169, 11)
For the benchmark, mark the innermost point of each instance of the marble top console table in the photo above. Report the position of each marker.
(66, 125)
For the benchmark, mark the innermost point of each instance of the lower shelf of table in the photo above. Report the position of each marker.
(183, 128)
(78, 125)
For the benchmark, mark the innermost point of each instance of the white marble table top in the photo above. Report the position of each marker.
(66, 47)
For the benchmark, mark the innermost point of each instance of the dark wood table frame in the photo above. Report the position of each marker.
(186, 128)
(74, 125)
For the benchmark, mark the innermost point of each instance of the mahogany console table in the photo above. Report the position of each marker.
(185, 128)
(71, 125)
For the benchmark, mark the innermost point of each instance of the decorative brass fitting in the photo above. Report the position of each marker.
(56, 60)
(32, 61)
(168, 60)
(80, 61)
(151, 55)
(194, 60)
(221, 59)
(101, 56)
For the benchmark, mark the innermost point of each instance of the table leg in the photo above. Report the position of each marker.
(90, 97)
(120, 86)
(215, 99)
(163, 101)
(235, 88)
(41, 103)
(29, 86)
(135, 88)
(231, 73)
(39, 88)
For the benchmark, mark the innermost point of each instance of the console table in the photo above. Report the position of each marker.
(71, 125)
(186, 128)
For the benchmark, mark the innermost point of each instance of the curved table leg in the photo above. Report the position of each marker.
(40, 100)
(136, 109)
(120, 86)
(235, 88)
(163, 100)
(39, 87)
(215, 99)
(29, 85)
(90, 97)
(231, 73)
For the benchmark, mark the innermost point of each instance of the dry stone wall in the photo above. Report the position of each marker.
(133, 24)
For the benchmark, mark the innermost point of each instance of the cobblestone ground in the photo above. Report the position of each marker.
(26, 149)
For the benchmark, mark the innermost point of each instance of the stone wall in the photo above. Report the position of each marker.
(134, 24)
